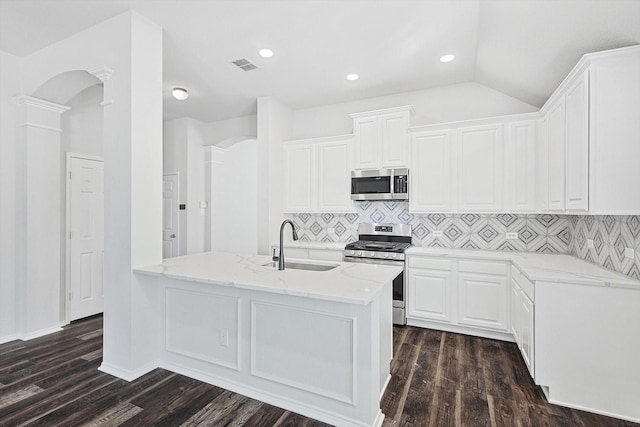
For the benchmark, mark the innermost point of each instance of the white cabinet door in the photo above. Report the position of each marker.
(577, 144)
(480, 168)
(366, 142)
(334, 176)
(300, 179)
(520, 166)
(556, 146)
(515, 311)
(431, 172)
(526, 332)
(542, 166)
(482, 301)
(394, 139)
(430, 294)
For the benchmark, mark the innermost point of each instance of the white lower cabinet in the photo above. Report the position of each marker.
(522, 317)
(458, 295)
(430, 291)
(482, 301)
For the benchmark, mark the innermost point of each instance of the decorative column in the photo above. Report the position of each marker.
(38, 217)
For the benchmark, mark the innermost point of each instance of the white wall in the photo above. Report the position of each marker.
(82, 125)
(183, 142)
(225, 133)
(131, 46)
(195, 186)
(234, 198)
(174, 160)
(463, 101)
(10, 86)
(82, 133)
(274, 127)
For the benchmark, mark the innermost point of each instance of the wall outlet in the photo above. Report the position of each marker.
(590, 243)
(512, 236)
(629, 253)
(437, 233)
(224, 338)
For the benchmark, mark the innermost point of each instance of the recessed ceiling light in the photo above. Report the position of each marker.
(180, 93)
(265, 53)
(352, 77)
(447, 58)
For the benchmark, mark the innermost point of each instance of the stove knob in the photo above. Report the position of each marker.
(394, 256)
(387, 255)
(359, 253)
(372, 254)
(351, 252)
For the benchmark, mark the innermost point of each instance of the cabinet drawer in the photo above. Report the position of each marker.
(430, 263)
(497, 268)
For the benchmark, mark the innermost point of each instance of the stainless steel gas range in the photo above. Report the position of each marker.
(383, 244)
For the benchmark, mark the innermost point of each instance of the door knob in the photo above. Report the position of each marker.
(173, 236)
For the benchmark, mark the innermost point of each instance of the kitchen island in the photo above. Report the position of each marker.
(318, 343)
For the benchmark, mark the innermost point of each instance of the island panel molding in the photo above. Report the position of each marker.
(203, 326)
(281, 352)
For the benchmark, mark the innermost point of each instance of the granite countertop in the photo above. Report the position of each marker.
(556, 268)
(352, 283)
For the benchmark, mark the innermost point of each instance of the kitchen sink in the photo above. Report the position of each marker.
(302, 266)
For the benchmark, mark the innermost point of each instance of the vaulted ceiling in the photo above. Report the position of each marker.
(523, 48)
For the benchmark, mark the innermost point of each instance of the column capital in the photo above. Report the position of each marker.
(102, 72)
(30, 101)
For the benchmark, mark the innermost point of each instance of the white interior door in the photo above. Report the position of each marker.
(170, 220)
(86, 234)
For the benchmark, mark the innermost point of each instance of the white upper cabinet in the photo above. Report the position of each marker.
(577, 144)
(614, 129)
(431, 171)
(486, 165)
(480, 168)
(593, 123)
(520, 147)
(334, 176)
(317, 175)
(556, 146)
(300, 177)
(381, 138)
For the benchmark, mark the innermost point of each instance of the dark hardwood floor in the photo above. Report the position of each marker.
(438, 379)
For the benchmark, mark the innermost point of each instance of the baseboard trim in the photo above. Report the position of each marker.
(126, 374)
(594, 411)
(40, 333)
(9, 338)
(482, 333)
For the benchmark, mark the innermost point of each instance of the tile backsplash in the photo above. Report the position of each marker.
(611, 235)
(545, 233)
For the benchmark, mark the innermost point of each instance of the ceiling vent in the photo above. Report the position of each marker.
(244, 64)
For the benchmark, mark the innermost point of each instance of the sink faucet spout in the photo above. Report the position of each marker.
(295, 237)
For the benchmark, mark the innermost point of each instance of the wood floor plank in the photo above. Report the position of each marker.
(416, 410)
(7, 399)
(265, 416)
(103, 400)
(398, 387)
(438, 379)
(115, 416)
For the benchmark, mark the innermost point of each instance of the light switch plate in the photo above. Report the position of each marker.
(590, 243)
(629, 253)
(512, 236)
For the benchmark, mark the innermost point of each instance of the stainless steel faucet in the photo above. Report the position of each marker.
(295, 237)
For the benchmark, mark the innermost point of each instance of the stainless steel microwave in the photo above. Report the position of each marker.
(380, 184)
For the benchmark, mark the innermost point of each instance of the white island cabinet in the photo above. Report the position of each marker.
(318, 343)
